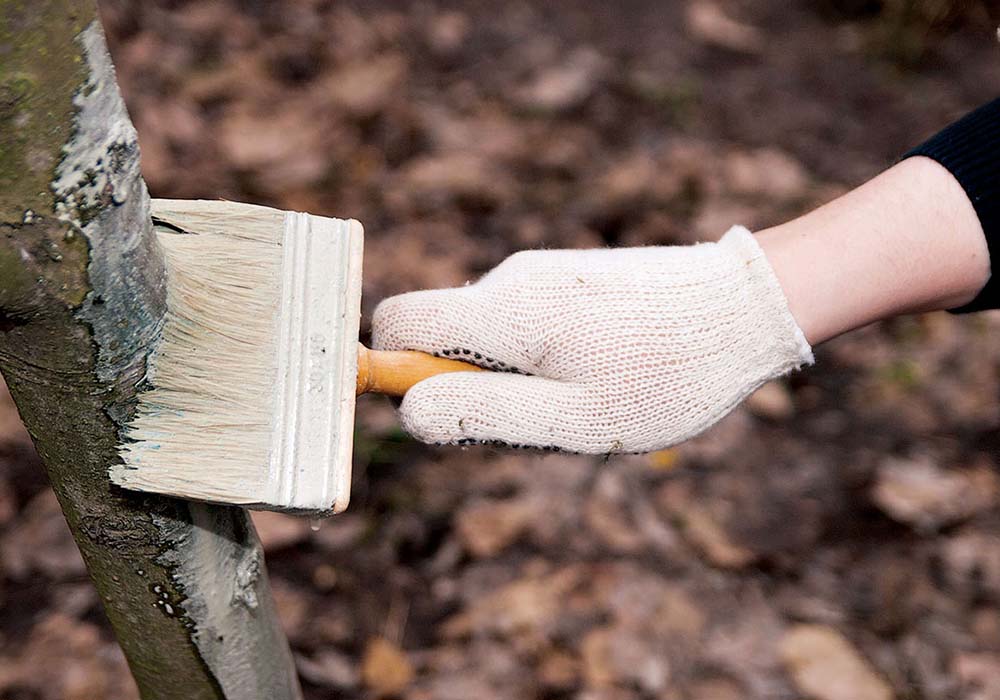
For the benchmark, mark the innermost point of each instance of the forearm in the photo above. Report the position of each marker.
(907, 241)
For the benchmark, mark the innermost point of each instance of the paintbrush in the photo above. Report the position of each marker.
(252, 386)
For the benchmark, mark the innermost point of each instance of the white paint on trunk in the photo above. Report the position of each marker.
(215, 558)
(99, 189)
(100, 163)
(228, 594)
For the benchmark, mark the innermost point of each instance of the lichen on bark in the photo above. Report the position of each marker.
(39, 73)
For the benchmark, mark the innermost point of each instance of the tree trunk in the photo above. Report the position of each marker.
(81, 303)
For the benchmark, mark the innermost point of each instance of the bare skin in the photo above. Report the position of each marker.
(907, 241)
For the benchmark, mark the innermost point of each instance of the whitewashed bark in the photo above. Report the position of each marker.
(81, 302)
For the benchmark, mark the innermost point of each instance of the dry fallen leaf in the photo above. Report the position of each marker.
(385, 669)
(708, 535)
(766, 172)
(566, 85)
(608, 513)
(825, 666)
(487, 527)
(617, 656)
(366, 87)
(530, 605)
(707, 21)
(559, 670)
(771, 401)
(919, 493)
(664, 460)
(328, 668)
(439, 180)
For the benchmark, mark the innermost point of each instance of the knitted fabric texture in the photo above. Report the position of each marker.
(628, 350)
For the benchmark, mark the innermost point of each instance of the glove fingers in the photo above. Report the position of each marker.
(468, 408)
(453, 323)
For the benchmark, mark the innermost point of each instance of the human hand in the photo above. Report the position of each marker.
(597, 351)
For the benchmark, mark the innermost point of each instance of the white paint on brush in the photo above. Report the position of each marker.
(313, 416)
(254, 377)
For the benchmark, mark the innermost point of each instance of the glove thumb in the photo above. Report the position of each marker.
(487, 407)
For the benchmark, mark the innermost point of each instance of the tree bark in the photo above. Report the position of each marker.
(81, 303)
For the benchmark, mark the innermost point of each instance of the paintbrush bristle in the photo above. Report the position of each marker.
(252, 383)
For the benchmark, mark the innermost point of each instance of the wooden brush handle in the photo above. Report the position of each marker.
(393, 372)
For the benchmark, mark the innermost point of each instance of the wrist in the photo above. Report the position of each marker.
(907, 241)
(761, 293)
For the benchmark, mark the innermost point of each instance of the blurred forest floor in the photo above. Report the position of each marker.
(837, 537)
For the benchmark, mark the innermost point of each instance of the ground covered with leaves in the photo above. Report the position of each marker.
(837, 537)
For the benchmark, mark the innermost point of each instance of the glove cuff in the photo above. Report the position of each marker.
(791, 341)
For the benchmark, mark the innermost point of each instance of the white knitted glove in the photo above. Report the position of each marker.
(630, 350)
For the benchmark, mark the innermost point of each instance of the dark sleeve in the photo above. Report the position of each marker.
(970, 150)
